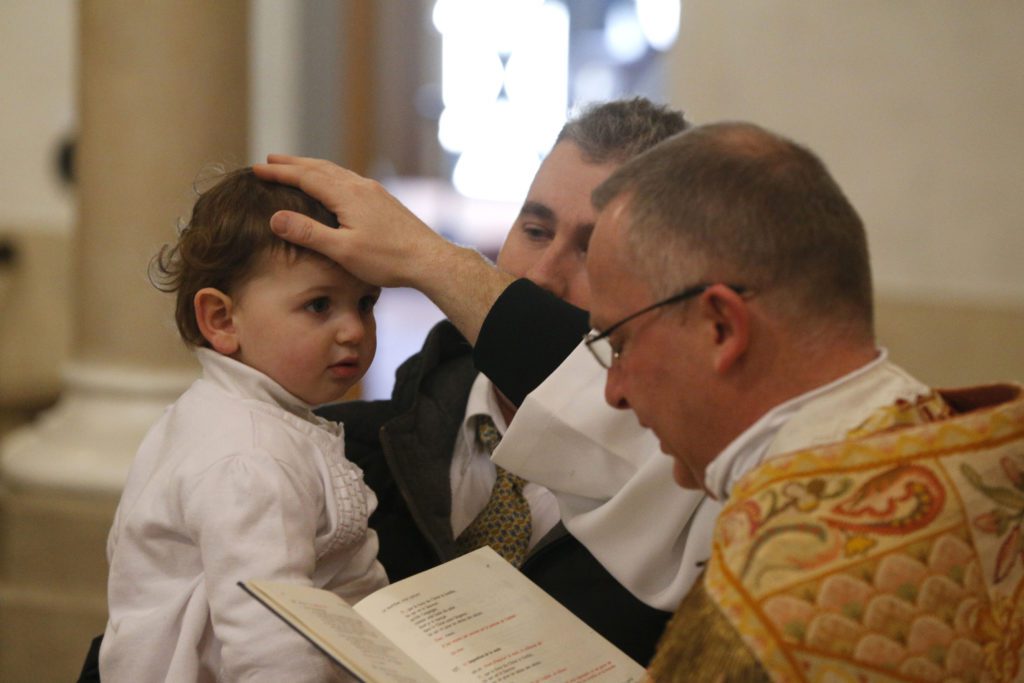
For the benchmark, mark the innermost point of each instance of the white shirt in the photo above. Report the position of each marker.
(473, 474)
(615, 487)
(237, 480)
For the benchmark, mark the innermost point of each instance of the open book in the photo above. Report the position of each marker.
(475, 619)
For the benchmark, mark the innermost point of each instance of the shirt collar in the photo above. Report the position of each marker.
(750, 448)
(482, 401)
(238, 379)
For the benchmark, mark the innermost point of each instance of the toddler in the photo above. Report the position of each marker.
(239, 479)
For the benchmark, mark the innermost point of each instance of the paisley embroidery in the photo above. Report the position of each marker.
(897, 501)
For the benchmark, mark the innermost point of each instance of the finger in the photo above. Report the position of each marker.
(315, 177)
(291, 159)
(302, 230)
(289, 174)
(306, 232)
(312, 180)
(282, 167)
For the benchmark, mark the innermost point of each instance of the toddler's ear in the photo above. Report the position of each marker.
(214, 315)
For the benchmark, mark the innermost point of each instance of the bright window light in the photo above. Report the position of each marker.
(472, 71)
(476, 175)
(659, 20)
(505, 88)
(538, 92)
(498, 167)
(498, 22)
(623, 37)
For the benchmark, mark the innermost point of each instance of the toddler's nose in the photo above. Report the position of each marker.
(351, 330)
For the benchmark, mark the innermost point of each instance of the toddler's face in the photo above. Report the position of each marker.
(308, 324)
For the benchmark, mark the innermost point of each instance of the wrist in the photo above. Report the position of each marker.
(464, 285)
(433, 263)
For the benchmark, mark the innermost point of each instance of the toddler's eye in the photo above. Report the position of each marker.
(319, 305)
(367, 303)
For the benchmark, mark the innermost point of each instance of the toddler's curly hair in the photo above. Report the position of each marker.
(224, 240)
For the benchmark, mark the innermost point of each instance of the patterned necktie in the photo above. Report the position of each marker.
(504, 523)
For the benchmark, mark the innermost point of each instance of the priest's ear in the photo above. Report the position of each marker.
(726, 311)
(215, 317)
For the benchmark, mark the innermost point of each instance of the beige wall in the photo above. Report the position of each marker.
(916, 106)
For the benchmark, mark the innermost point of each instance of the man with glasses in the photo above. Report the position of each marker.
(867, 525)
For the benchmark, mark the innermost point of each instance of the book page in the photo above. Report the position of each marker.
(478, 619)
(335, 628)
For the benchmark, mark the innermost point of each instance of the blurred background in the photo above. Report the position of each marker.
(111, 109)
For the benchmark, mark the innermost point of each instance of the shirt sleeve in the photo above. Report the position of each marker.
(525, 336)
(256, 517)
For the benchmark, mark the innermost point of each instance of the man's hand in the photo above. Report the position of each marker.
(382, 242)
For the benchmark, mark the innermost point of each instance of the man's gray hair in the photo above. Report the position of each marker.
(734, 203)
(617, 131)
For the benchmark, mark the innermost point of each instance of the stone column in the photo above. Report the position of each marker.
(163, 93)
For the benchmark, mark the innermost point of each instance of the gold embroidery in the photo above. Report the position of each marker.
(895, 555)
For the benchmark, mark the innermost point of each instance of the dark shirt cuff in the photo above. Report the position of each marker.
(525, 336)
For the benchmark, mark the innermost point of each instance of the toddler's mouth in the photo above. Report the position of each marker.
(346, 368)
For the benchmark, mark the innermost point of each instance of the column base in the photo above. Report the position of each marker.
(60, 480)
(86, 442)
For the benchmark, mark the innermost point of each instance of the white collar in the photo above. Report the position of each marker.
(751, 447)
(238, 379)
(482, 401)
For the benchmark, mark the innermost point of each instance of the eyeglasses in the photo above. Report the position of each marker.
(601, 348)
